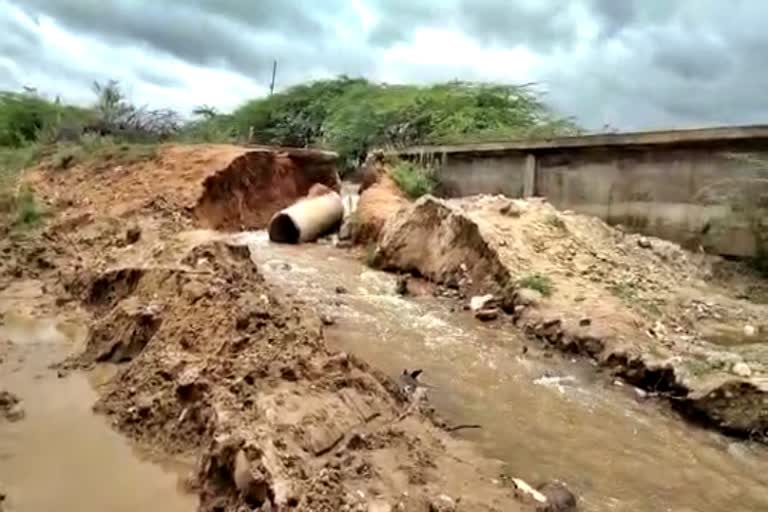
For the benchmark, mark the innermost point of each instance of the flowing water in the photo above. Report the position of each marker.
(544, 417)
(61, 456)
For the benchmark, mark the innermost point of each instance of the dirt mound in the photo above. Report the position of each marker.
(224, 187)
(213, 363)
(379, 202)
(642, 306)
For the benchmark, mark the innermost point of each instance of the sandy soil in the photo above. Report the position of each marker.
(686, 326)
(215, 364)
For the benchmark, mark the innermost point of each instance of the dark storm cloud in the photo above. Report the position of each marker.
(683, 63)
(630, 63)
(540, 24)
(17, 40)
(241, 35)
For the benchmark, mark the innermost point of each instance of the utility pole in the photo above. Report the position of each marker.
(274, 72)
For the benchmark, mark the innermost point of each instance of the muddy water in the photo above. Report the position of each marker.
(544, 417)
(62, 456)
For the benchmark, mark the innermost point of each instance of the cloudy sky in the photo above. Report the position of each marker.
(630, 64)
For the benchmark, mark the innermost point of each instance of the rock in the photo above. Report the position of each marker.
(749, 331)
(442, 503)
(480, 302)
(585, 322)
(341, 290)
(241, 474)
(559, 498)
(528, 297)
(644, 242)
(487, 314)
(132, 235)
(327, 319)
(379, 506)
(511, 210)
(250, 483)
(742, 369)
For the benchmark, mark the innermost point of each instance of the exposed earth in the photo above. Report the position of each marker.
(208, 363)
(197, 358)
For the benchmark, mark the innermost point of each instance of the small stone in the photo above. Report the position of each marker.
(511, 210)
(742, 369)
(340, 290)
(644, 243)
(585, 322)
(749, 331)
(480, 302)
(559, 498)
(488, 314)
(327, 319)
(442, 503)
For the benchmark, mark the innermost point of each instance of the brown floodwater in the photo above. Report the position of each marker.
(61, 456)
(545, 417)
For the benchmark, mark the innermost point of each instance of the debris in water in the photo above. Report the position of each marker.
(408, 381)
(527, 490)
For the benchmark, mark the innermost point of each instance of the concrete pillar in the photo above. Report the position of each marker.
(529, 175)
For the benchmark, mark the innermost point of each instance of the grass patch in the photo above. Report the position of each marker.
(29, 213)
(624, 291)
(541, 283)
(629, 294)
(414, 180)
(98, 149)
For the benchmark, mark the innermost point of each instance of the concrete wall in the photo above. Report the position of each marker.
(690, 187)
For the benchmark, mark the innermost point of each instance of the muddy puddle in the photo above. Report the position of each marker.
(544, 417)
(61, 456)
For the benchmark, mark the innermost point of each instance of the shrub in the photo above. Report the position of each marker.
(414, 180)
(540, 283)
(29, 212)
(353, 115)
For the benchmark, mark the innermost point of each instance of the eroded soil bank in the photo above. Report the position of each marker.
(653, 313)
(208, 364)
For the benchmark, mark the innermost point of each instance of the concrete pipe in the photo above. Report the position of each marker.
(307, 219)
